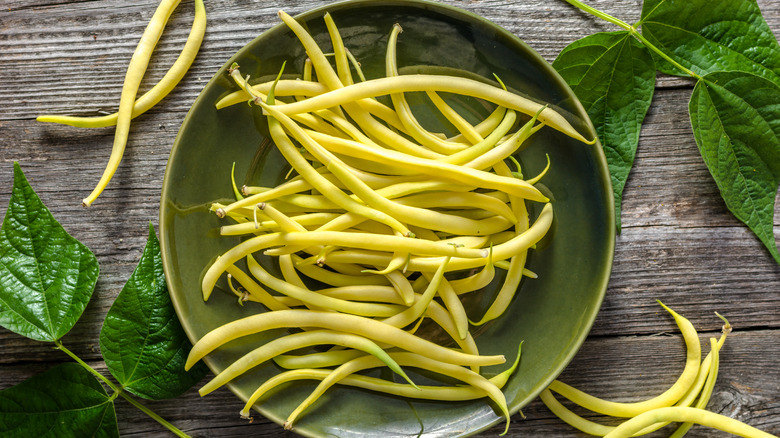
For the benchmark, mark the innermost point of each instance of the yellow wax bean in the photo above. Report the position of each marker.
(255, 290)
(712, 376)
(135, 73)
(503, 150)
(355, 108)
(293, 342)
(451, 393)
(570, 418)
(464, 127)
(413, 187)
(315, 299)
(369, 328)
(490, 141)
(341, 221)
(476, 281)
(443, 318)
(339, 51)
(459, 199)
(706, 393)
(516, 264)
(492, 157)
(331, 379)
(285, 223)
(707, 373)
(285, 87)
(161, 89)
(397, 262)
(309, 219)
(305, 88)
(373, 293)
(291, 154)
(354, 240)
(321, 359)
(367, 293)
(268, 194)
(435, 311)
(484, 127)
(402, 286)
(454, 306)
(502, 251)
(412, 125)
(437, 83)
(417, 309)
(408, 359)
(687, 414)
(287, 268)
(420, 217)
(458, 174)
(669, 397)
(334, 278)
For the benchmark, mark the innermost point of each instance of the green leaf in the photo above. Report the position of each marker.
(65, 401)
(46, 276)
(736, 122)
(707, 36)
(142, 341)
(613, 75)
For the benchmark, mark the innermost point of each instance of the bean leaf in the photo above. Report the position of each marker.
(142, 341)
(736, 122)
(64, 401)
(613, 76)
(46, 276)
(707, 36)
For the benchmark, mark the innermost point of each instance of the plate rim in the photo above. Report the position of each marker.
(551, 74)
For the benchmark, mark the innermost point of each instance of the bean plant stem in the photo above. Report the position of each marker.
(153, 415)
(118, 391)
(635, 33)
(87, 367)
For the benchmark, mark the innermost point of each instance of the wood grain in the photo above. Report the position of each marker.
(678, 244)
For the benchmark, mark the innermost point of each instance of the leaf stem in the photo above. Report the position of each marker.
(118, 391)
(153, 415)
(110, 384)
(603, 15)
(635, 33)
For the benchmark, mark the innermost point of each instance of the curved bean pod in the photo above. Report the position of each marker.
(295, 341)
(135, 72)
(374, 330)
(669, 397)
(424, 82)
(161, 89)
(688, 415)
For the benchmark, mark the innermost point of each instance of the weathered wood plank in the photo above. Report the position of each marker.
(626, 368)
(679, 243)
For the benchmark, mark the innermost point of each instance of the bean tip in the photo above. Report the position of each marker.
(220, 212)
(726, 324)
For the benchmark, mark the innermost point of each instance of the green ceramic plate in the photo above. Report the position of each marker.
(552, 314)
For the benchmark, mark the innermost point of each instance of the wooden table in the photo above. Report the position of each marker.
(679, 243)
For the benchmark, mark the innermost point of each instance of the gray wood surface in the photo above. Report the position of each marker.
(679, 243)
